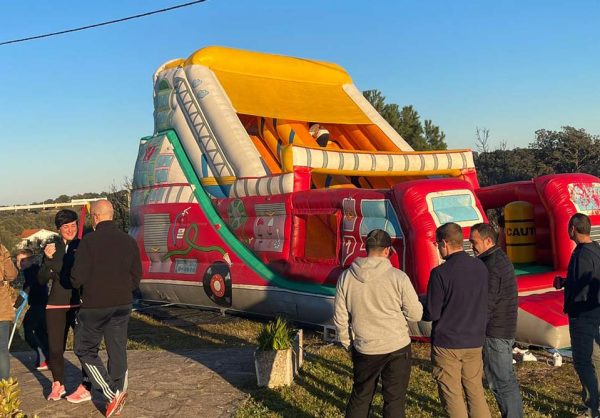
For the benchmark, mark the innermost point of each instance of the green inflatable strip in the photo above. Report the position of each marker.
(530, 268)
(244, 253)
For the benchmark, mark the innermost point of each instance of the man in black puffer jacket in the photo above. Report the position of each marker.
(502, 321)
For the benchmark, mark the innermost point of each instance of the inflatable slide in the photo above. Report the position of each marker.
(265, 173)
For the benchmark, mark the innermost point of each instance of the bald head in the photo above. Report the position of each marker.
(102, 210)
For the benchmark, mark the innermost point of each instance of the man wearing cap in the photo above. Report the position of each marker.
(457, 295)
(374, 302)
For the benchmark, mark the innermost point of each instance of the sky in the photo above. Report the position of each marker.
(73, 107)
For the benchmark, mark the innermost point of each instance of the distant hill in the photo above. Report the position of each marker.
(12, 224)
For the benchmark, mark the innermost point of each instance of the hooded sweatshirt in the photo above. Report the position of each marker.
(373, 303)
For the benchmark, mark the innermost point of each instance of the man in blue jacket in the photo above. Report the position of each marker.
(502, 321)
(457, 305)
(582, 305)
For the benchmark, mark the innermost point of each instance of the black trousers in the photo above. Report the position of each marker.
(58, 322)
(34, 326)
(93, 324)
(394, 369)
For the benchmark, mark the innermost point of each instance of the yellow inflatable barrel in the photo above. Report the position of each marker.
(520, 232)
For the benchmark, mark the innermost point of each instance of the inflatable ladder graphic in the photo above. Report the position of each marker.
(202, 132)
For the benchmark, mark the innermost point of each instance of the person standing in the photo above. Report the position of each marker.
(63, 302)
(8, 273)
(375, 300)
(34, 322)
(457, 305)
(582, 306)
(502, 321)
(107, 270)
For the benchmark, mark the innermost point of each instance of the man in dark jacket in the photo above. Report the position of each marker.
(107, 270)
(583, 308)
(502, 321)
(457, 305)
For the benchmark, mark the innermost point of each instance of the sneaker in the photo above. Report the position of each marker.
(58, 391)
(528, 356)
(116, 404)
(42, 367)
(81, 394)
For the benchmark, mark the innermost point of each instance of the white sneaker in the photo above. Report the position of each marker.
(528, 356)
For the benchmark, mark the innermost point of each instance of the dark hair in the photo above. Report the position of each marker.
(451, 233)
(581, 223)
(64, 216)
(486, 231)
(378, 239)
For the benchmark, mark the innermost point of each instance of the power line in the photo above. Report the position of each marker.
(110, 22)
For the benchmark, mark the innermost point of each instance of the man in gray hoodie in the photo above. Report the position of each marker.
(373, 303)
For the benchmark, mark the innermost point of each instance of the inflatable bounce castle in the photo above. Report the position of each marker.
(266, 172)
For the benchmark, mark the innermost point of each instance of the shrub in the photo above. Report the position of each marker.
(9, 399)
(276, 335)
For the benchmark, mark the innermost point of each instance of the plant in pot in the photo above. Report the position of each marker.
(273, 358)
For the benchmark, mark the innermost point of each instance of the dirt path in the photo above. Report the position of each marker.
(205, 382)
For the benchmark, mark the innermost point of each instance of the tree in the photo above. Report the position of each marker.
(436, 139)
(120, 199)
(503, 165)
(407, 123)
(567, 151)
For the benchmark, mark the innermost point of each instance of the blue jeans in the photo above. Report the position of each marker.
(585, 346)
(499, 373)
(4, 356)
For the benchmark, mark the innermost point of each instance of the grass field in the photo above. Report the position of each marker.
(323, 386)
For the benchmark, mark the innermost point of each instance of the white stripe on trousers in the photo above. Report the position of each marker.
(101, 382)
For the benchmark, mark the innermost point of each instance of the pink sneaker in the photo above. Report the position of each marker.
(80, 395)
(116, 404)
(58, 391)
(43, 366)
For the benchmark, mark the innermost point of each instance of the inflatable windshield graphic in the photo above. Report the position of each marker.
(240, 201)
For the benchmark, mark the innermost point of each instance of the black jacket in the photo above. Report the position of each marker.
(503, 299)
(457, 302)
(37, 293)
(108, 267)
(583, 279)
(56, 272)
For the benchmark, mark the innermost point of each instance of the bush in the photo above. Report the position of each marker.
(9, 399)
(276, 335)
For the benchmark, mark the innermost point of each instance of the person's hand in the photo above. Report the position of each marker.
(559, 282)
(50, 250)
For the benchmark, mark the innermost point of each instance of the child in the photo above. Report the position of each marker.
(34, 322)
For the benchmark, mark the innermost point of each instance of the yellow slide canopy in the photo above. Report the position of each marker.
(282, 87)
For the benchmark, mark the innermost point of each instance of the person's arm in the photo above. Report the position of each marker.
(82, 268)
(411, 307)
(51, 266)
(435, 297)
(340, 314)
(9, 270)
(494, 285)
(583, 274)
(136, 268)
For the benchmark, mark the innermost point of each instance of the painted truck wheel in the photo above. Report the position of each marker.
(217, 283)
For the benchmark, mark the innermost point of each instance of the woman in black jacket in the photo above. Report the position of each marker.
(63, 303)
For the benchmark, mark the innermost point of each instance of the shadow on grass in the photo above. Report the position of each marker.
(548, 405)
